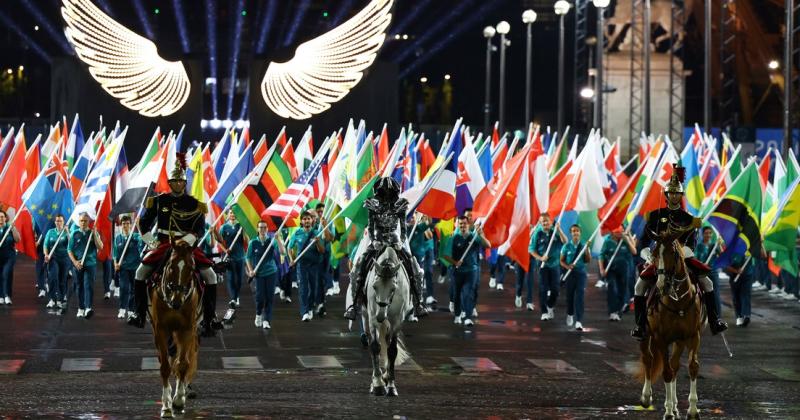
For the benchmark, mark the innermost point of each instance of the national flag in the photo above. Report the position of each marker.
(168, 164)
(426, 158)
(267, 182)
(495, 134)
(260, 150)
(763, 169)
(228, 185)
(290, 202)
(53, 140)
(382, 152)
(499, 156)
(538, 182)
(82, 167)
(469, 178)
(560, 155)
(615, 209)
(287, 154)
(97, 184)
(75, 143)
(516, 246)
(32, 161)
(581, 189)
(736, 217)
(440, 201)
(695, 192)
(221, 152)
(355, 210)
(5, 147)
(781, 236)
(485, 161)
(612, 168)
(305, 151)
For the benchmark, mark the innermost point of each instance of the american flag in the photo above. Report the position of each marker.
(308, 184)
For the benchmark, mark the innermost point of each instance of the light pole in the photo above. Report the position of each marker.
(707, 70)
(502, 29)
(488, 33)
(562, 8)
(528, 17)
(598, 89)
(788, 49)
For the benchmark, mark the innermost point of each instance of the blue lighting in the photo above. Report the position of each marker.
(468, 23)
(106, 7)
(411, 17)
(266, 25)
(211, 31)
(444, 22)
(6, 21)
(345, 8)
(243, 113)
(142, 15)
(58, 35)
(180, 20)
(298, 19)
(236, 43)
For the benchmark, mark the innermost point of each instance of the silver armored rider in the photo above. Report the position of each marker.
(387, 215)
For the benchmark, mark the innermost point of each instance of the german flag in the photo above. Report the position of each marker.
(736, 217)
(270, 179)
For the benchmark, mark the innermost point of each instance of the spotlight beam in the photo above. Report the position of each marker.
(41, 19)
(411, 17)
(245, 103)
(344, 9)
(211, 32)
(103, 4)
(438, 27)
(298, 19)
(236, 43)
(266, 25)
(9, 23)
(468, 23)
(180, 21)
(141, 13)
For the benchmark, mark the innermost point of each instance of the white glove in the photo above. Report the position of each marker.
(189, 239)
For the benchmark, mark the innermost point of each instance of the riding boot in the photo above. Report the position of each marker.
(415, 283)
(358, 284)
(210, 323)
(715, 324)
(140, 301)
(640, 317)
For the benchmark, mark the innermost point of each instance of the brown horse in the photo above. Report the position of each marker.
(675, 320)
(175, 302)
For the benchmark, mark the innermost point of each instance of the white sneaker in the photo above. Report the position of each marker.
(441, 279)
(412, 318)
(452, 307)
(569, 320)
(107, 295)
(578, 326)
(616, 317)
(329, 292)
(278, 290)
(474, 312)
(462, 315)
(786, 296)
(265, 325)
(550, 313)
(545, 317)
(468, 322)
(739, 322)
(492, 282)
(50, 304)
(116, 292)
(499, 286)
(121, 314)
(336, 289)
(757, 285)
(287, 299)
(237, 303)
(306, 317)
(41, 293)
(259, 320)
(600, 283)
(320, 307)
(310, 314)
(429, 300)
(80, 313)
(457, 320)
(87, 313)
(530, 307)
(294, 285)
(62, 304)
(8, 300)
(775, 290)
(518, 301)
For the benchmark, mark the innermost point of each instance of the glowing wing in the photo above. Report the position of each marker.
(125, 64)
(324, 69)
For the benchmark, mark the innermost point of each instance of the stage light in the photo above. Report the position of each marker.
(244, 12)
(227, 123)
(236, 43)
(180, 20)
(325, 14)
(211, 39)
(203, 123)
(126, 65)
(37, 115)
(35, 27)
(215, 123)
(587, 93)
(9, 71)
(398, 36)
(298, 19)
(240, 124)
(324, 69)
(446, 77)
(141, 13)
(773, 65)
(157, 10)
(266, 25)
(21, 68)
(405, 36)
(423, 79)
(503, 28)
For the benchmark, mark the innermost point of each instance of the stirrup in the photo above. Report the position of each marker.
(638, 333)
(136, 321)
(351, 313)
(717, 327)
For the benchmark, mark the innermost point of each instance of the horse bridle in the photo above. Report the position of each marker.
(166, 286)
(670, 279)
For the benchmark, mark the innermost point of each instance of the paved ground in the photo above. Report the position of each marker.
(510, 365)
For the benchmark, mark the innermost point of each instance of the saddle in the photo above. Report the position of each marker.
(158, 270)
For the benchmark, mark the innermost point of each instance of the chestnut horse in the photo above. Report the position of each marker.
(675, 319)
(174, 317)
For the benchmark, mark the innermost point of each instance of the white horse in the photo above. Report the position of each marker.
(387, 304)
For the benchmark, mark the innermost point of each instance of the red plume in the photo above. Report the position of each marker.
(181, 159)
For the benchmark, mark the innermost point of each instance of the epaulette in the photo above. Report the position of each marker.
(149, 202)
(202, 207)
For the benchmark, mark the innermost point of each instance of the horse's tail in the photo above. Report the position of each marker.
(402, 353)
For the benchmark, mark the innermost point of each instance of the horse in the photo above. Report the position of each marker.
(174, 317)
(387, 304)
(674, 322)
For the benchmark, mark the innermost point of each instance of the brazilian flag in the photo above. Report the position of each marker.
(736, 217)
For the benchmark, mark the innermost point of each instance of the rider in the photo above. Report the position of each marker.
(181, 218)
(661, 221)
(387, 213)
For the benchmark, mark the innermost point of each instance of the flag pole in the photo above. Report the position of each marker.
(560, 214)
(747, 261)
(235, 238)
(135, 223)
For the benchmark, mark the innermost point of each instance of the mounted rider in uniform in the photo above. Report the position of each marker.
(665, 220)
(179, 218)
(387, 216)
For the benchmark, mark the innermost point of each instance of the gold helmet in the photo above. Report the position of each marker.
(178, 173)
(675, 184)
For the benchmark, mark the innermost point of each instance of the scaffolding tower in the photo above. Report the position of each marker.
(636, 73)
(728, 104)
(677, 85)
(581, 59)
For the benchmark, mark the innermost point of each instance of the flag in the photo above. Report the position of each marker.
(516, 246)
(582, 188)
(269, 180)
(382, 151)
(97, 184)
(355, 210)
(221, 152)
(82, 166)
(305, 151)
(5, 148)
(260, 150)
(781, 237)
(618, 204)
(538, 182)
(228, 185)
(14, 184)
(469, 178)
(763, 170)
(291, 201)
(288, 156)
(141, 180)
(75, 143)
(32, 162)
(196, 188)
(695, 192)
(45, 204)
(440, 201)
(53, 140)
(427, 158)
(736, 217)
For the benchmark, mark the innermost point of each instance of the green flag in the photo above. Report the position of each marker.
(781, 237)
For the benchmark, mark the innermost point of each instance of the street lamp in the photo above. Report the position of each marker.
(561, 8)
(598, 97)
(773, 65)
(528, 17)
(488, 33)
(502, 28)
